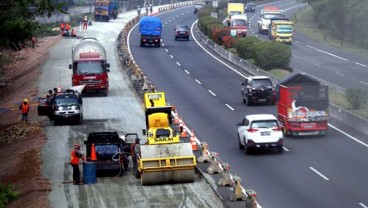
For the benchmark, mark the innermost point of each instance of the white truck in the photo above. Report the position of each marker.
(267, 13)
(239, 23)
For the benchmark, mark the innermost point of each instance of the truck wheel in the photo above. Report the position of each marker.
(142, 44)
(157, 45)
(244, 100)
(249, 102)
(241, 147)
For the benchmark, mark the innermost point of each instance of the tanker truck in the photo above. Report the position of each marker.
(164, 158)
(89, 65)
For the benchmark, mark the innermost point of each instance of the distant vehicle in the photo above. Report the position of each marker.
(199, 6)
(281, 30)
(106, 10)
(150, 29)
(260, 131)
(258, 89)
(267, 13)
(182, 32)
(250, 7)
(239, 22)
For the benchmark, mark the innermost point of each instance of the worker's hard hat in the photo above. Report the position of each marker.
(25, 100)
(77, 146)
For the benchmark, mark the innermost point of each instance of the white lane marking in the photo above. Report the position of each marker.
(320, 174)
(363, 82)
(361, 64)
(362, 205)
(195, 39)
(178, 16)
(287, 150)
(212, 93)
(300, 5)
(326, 53)
(317, 65)
(171, 56)
(178, 63)
(166, 49)
(229, 107)
(343, 75)
(163, 45)
(197, 81)
(348, 135)
(186, 71)
(169, 20)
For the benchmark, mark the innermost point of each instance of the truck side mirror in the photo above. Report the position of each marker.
(144, 132)
(70, 66)
(107, 65)
(108, 70)
(242, 84)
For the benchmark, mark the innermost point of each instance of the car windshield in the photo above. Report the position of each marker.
(234, 13)
(264, 124)
(182, 28)
(90, 67)
(239, 23)
(269, 16)
(66, 101)
(261, 83)
(284, 28)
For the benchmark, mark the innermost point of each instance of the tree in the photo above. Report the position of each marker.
(16, 17)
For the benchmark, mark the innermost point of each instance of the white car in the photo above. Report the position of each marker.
(260, 131)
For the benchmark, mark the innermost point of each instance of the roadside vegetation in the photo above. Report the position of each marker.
(275, 57)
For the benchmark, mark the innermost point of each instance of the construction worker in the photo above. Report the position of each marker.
(74, 162)
(62, 27)
(151, 8)
(139, 11)
(74, 33)
(134, 149)
(85, 22)
(24, 107)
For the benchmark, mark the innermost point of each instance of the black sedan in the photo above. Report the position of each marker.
(182, 32)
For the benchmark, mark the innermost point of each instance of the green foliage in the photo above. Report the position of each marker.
(269, 55)
(244, 46)
(16, 16)
(7, 194)
(343, 19)
(206, 23)
(357, 97)
(206, 11)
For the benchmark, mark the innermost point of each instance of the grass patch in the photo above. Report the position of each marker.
(305, 25)
(279, 73)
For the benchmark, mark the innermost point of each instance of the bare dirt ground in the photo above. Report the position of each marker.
(21, 142)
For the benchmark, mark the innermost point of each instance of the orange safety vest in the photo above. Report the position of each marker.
(74, 159)
(67, 27)
(25, 108)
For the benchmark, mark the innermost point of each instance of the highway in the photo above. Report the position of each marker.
(331, 64)
(121, 111)
(323, 172)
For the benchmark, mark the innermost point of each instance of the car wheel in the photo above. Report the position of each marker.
(241, 147)
(280, 149)
(187, 38)
(247, 150)
(244, 100)
(176, 38)
(286, 132)
(249, 102)
(56, 122)
(142, 44)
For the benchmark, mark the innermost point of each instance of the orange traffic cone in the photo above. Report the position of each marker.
(193, 142)
(184, 133)
(93, 152)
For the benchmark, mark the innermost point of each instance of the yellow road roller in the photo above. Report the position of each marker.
(163, 158)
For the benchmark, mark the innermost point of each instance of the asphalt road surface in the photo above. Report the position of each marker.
(121, 111)
(313, 171)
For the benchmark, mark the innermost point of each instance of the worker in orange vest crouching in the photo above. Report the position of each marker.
(74, 161)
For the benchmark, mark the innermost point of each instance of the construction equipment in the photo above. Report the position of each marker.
(164, 158)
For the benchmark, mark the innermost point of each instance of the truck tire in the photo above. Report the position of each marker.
(247, 150)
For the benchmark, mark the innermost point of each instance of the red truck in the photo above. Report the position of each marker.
(89, 65)
(302, 105)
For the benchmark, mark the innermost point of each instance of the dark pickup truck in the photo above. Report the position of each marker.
(111, 151)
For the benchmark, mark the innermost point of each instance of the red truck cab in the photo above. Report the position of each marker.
(89, 65)
(302, 105)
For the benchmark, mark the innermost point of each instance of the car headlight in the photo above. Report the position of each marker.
(74, 107)
(60, 108)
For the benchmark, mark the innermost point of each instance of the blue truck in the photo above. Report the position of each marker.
(150, 29)
(105, 10)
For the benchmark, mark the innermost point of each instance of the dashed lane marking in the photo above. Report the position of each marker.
(318, 173)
